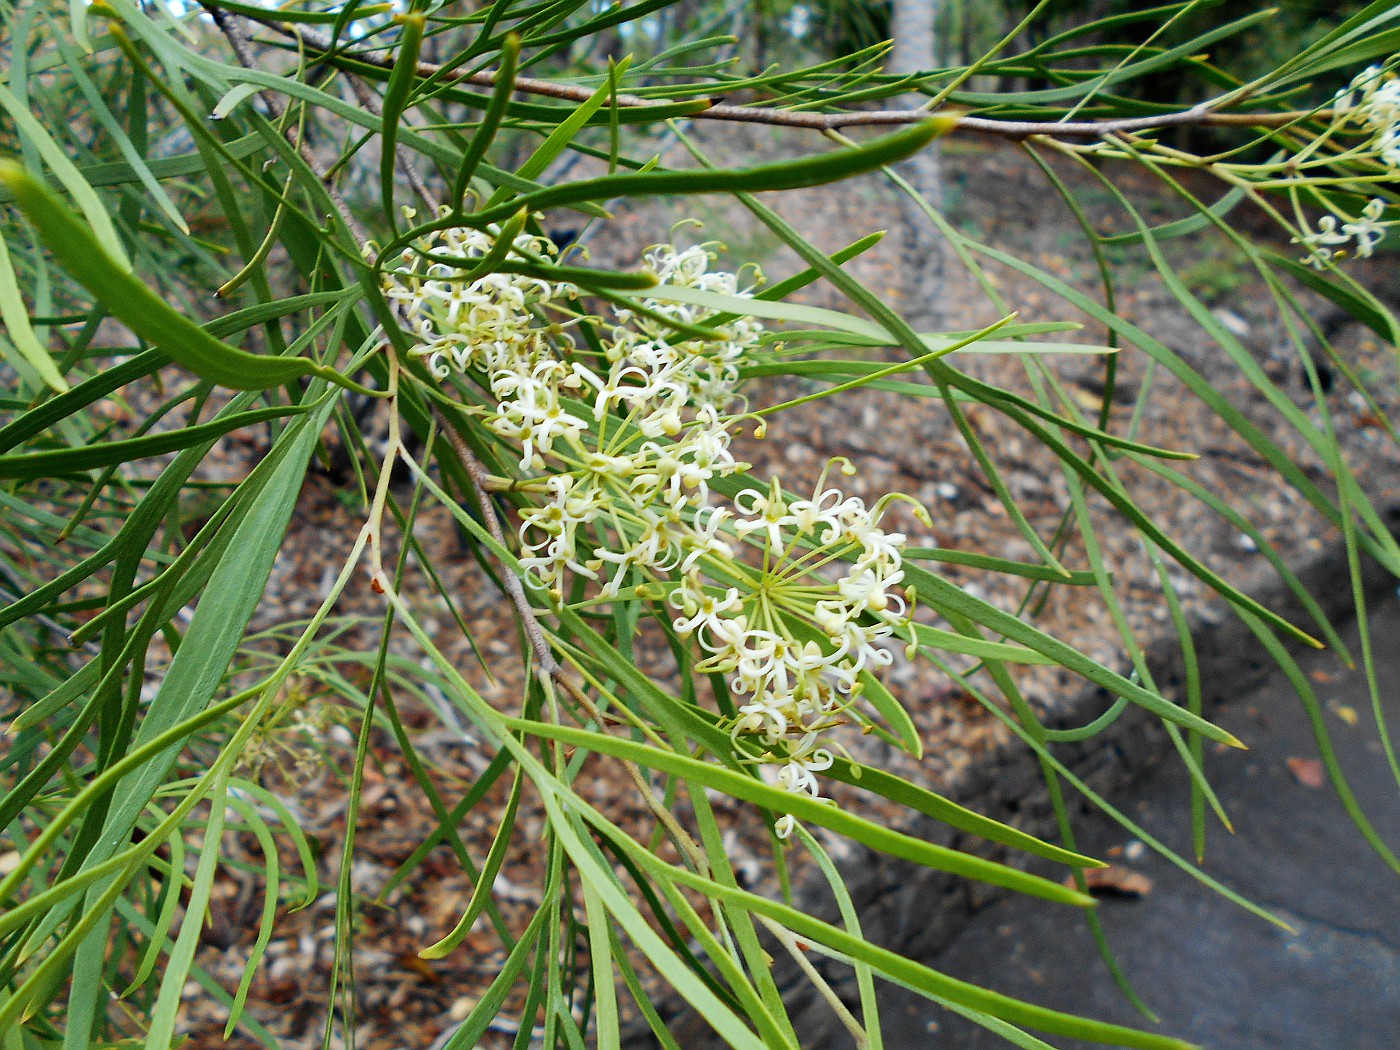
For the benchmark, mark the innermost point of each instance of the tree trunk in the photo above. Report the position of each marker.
(912, 25)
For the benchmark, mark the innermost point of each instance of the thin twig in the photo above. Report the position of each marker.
(238, 41)
(1198, 116)
(372, 102)
(683, 839)
(476, 473)
(796, 948)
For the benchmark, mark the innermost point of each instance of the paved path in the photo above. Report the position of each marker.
(1216, 974)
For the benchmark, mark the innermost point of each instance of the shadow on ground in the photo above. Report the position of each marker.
(1216, 974)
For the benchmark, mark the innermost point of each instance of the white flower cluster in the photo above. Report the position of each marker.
(629, 437)
(795, 646)
(493, 325)
(1333, 233)
(705, 373)
(621, 439)
(1372, 100)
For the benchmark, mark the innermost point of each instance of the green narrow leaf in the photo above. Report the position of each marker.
(892, 964)
(30, 465)
(600, 951)
(350, 13)
(177, 967)
(486, 130)
(736, 981)
(220, 619)
(16, 317)
(236, 95)
(971, 559)
(72, 179)
(128, 299)
(1182, 227)
(170, 899)
(486, 881)
(896, 789)
(752, 790)
(1359, 303)
(133, 918)
(396, 94)
(119, 173)
(671, 968)
(902, 726)
(562, 135)
(98, 108)
(271, 880)
(952, 642)
(780, 175)
(77, 18)
(873, 1037)
(941, 594)
(491, 1001)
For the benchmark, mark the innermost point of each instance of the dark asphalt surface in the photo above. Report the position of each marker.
(1216, 974)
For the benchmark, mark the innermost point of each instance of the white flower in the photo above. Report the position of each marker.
(655, 548)
(1372, 101)
(536, 424)
(552, 528)
(1368, 230)
(797, 778)
(705, 538)
(700, 372)
(490, 322)
(766, 512)
(624, 437)
(704, 611)
(1329, 239)
(821, 509)
(763, 715)
(868, 589)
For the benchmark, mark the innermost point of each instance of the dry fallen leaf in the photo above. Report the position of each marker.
(421, 967)
(1115, 881)
(1346, 713)
(1307, 771)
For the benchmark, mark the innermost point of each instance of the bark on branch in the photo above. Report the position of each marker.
(1013, 130)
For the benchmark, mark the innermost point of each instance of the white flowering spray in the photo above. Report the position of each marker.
(620, 439)
(1372, 101)
(1370, 104)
